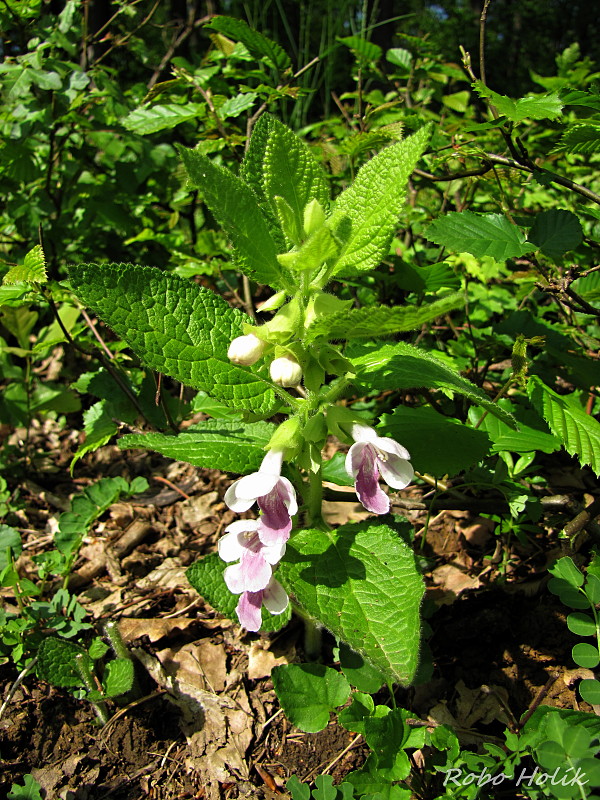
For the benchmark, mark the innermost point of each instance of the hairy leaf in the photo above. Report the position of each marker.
(236, 208)
(150, 119)
(57, 662)
(403, 366)
(360, 582)
(257, 45)
(308, 693)
(366, 214)
(175, 327)
(32, 270)
(540, 106)
(376, 321)
(236, 447)
(556, 231)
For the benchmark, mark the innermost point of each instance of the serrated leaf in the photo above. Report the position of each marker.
(429, 278)
(312, 253)
(403, 366)
(588, 287)
(360, 582)
(234, 106)
(57, 662)
(376, 321)
(147, 120)
(32, 270)
(290, 171)
(479, 234)
(235, 206)
(437, 445)
(364, 51)
(308, 693)
(206, 576)
(579, 432)
(118, 678)
(365, 215)
(99, 427)
(580, 138)
(530, 435)
(236, 447)
(257, 45)
(556, 231)
(540, 106)
(175, 327)
(251, 168)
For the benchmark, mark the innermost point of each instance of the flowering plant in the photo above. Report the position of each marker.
(300, 362)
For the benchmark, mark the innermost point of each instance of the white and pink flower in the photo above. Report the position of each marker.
(273, 597)
(371, 456)
(254, 569)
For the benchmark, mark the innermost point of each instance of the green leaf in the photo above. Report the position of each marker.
(298, 790)
(359, 672)
(99, 427)
(582, 137)
(365, 215)
(589, 689)
(360, 582)
(540, 106)
(437, 445)
(97, 649)
(430, 278)
(32, 270)
(364, 51)
(403, 366)
(57, 662)
(526, 439)
(215, 444)
(175, 327)
(325, 790)
(9, 537)
(581, 624)
(555, 232)
(592, 588)
(206, 576)
(308, 693)
(479, 234)
(579, 432)
(30, 790)
(235, 106)
(334, 470)
(291, 171)
(565, 568)
(569, 595)
(377, 321)
(257, 45)
(147, 120)
(586, 655)
(118, 678)
(235, 206)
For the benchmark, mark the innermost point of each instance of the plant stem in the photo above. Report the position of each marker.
(86, 677)
(313, 639)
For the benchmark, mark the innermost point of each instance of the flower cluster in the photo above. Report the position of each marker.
(258, 545)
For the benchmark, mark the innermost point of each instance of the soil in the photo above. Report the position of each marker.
(499, 643)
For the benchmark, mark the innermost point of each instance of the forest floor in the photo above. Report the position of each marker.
(208, 724)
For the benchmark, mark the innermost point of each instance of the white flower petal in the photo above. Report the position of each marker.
(363, 433)
(396, 472)
(231, 545)
(242, 526)
(250, 487)
(271, 463)
(275, 598)
(234, 579)
(290, 501)
(236, 503)
(273, 553)
(391, 446)
(354, 458)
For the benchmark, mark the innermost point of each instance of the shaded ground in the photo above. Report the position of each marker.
(499, 640)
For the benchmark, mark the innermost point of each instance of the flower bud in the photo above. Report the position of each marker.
(246, 350)
(286, 371)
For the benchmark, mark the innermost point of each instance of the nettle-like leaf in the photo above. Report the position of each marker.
(118, 678)
(437, 445)
(583, 137)
(376, 321)
(32, 270)
(235, 206)
(404, 366)
(479, 234)
(57, 662)
(540, 106)
(290, 171)
(430, 278)
(556, 231)
(206, 576)
(150, 119)
(308, 693)
(215, 444)
(365, 215)
(256, 43)
(533, 433)
(579, 432)
(175, 327)
(360, 582)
